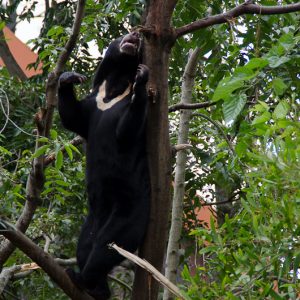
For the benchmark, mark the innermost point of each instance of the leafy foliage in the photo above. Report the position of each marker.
(245, 148)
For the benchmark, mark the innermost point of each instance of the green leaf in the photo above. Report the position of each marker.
(275, 296)
(55, 30)
(230, 84)
(5, 151)
(287, 41)
(296, 264)
(257, 63)
(69, 151)
(53, 134)
(279, 86)
(40, 151)
(59, 160)
(207, 249)
(281, 110)
(61, 183)
(74, 148)
(2, 25)
(226, 87)
(43, 140)
(276, 61)
(233, 106)
(266, 116)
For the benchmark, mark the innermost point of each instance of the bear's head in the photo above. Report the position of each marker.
(122, 54)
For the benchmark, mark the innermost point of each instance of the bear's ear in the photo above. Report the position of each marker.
(113, 50)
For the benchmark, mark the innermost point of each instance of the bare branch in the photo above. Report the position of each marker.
(191, 106)
(188, 83)
(229, 200)
(148, 267)
(64, 56)
(44, 260)
(51, 98)
(47, 242)
(5, 276)
(219, 202)
(180, 147)
(246, 8)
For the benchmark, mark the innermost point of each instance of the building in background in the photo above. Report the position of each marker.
(21, 52)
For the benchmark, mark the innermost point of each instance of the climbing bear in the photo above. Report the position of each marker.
(112, 121)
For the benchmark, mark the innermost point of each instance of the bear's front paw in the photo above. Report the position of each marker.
(71, 77)
(142, 74)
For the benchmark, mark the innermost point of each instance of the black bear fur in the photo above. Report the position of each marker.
(112, 121)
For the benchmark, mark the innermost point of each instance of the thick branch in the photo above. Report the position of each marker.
(11, 64)
(45, 261)
(243, 9)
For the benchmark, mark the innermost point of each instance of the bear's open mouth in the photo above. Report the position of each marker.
(130, 43)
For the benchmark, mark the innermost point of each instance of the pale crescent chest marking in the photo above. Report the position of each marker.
(101, 95)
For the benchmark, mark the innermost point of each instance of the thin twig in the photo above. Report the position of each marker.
(191, 106)
(218, 127)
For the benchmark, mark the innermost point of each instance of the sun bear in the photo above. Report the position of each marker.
(112, 121)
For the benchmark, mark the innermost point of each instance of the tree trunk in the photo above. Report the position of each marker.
(158, 42)
(179, 185)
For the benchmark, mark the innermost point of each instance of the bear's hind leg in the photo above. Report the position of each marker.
(101, 291)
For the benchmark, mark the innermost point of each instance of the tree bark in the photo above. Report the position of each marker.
(246, 8)
(158, 42)
(172, 261)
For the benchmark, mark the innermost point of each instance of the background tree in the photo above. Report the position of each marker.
(244, 134)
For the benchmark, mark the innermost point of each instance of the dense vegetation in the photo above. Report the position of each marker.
(245, 148)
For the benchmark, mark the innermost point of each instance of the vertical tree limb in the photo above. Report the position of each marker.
(159, 40)
(172, 261)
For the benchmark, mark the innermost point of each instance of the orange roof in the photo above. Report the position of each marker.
(204, 214)
(21, 52)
